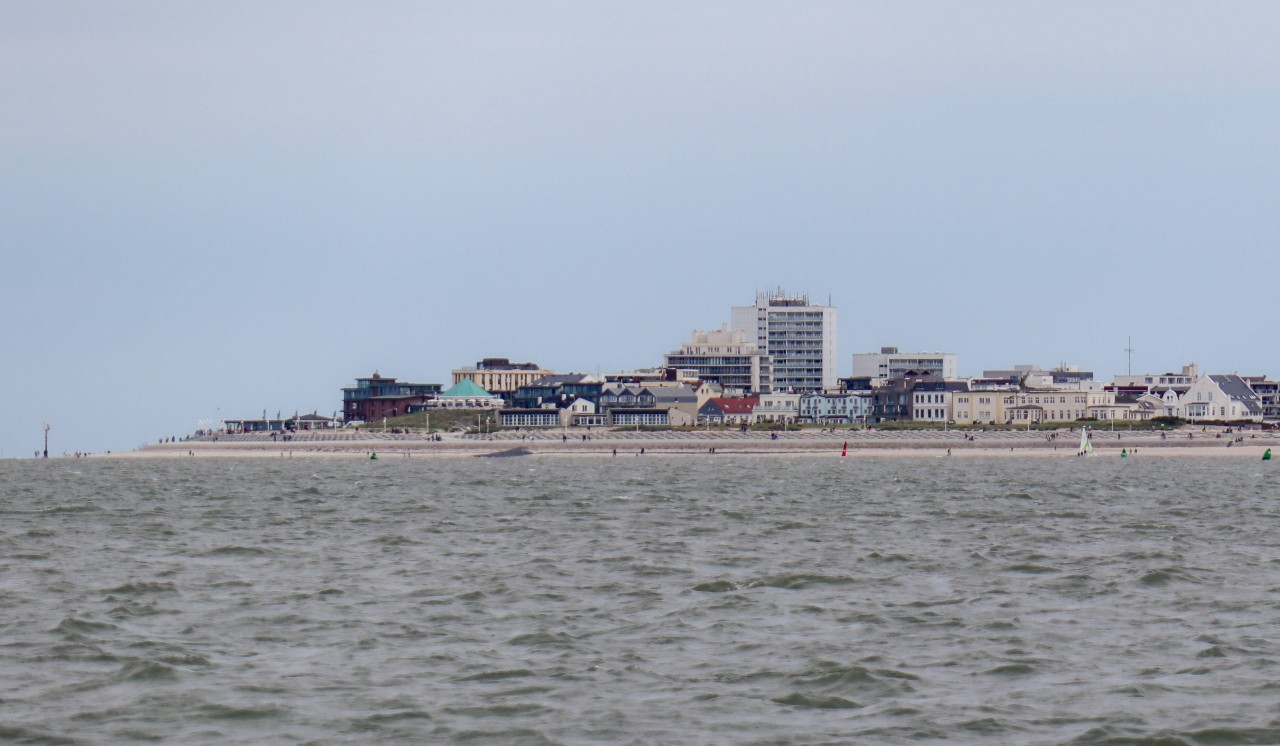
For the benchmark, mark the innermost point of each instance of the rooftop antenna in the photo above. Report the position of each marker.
(1129, 350)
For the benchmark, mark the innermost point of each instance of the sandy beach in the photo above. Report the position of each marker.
(909, 444)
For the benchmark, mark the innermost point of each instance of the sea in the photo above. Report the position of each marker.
(641, 600)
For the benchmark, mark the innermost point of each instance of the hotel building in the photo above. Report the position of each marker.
(799, 338)
(500, 376)
(727, 357)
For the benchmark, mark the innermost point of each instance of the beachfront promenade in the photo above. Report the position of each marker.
(1065, 442)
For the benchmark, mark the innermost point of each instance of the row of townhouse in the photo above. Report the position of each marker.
(749, 410)
(992, 401)
(1208, 397)
(530, 396)
(564, 401)
(926, 399)
(1024, 407)
(661, 397)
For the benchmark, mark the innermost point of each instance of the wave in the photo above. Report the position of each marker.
(236, 551)
(140, 588)
(17, 734)
(799, 581)
(75, 626)
(1167, 575)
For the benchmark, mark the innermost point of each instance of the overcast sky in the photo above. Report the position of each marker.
(219, 208)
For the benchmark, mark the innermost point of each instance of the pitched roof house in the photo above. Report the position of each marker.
(1221, 397)
(728, 411)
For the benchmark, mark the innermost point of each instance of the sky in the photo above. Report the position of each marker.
(219, 209)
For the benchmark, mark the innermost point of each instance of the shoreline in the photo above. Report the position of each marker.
(859, 445)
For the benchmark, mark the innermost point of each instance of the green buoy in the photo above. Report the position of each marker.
(1124, 453)
(1267, 456)
(373, 456)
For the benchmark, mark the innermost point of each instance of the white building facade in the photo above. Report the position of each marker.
(1061, 405)
(889, 362)
(846, 408)
(1226, 397)
(1161, 382)
(799, 337)
(729, 358)
(777, 408)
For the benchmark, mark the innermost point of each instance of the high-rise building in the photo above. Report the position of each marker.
(798, 337)
(729, 358)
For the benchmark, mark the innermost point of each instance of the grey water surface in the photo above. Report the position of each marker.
(696, 599)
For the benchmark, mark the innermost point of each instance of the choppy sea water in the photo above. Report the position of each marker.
(641, 600)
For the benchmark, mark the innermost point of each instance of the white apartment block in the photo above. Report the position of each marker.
(890, 363)
(799, 338)
(777, 408)
(726, 357)
(1162, 382)
(1032, 376)
(828, 407)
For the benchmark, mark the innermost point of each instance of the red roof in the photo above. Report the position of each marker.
(737, 405)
